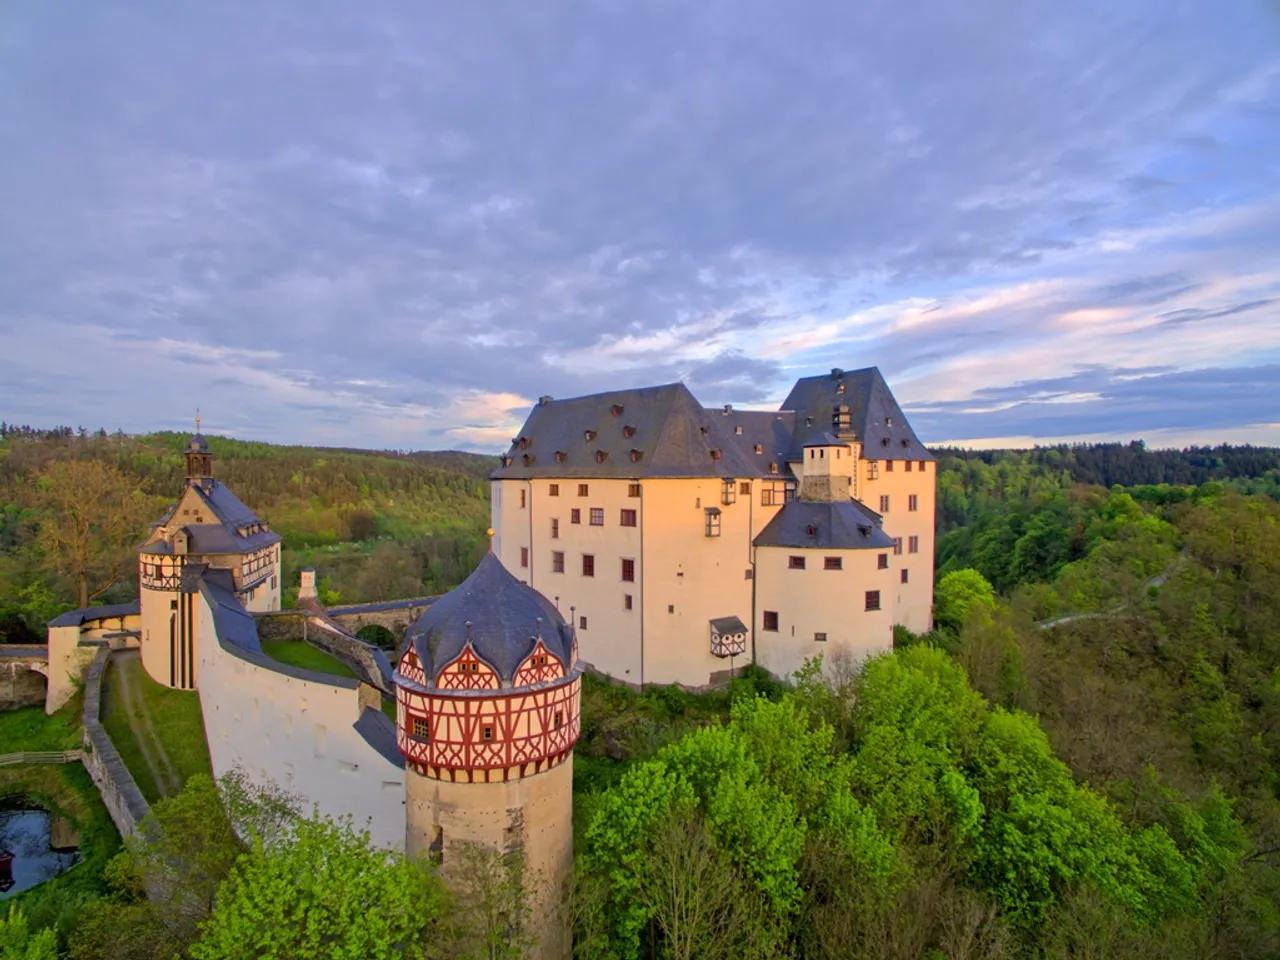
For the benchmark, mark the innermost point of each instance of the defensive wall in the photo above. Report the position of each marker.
(364, 659)
(120, 793)
(322, 738)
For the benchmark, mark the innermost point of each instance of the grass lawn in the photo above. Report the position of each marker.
(298, 653)
(174, 737)
(29, 729)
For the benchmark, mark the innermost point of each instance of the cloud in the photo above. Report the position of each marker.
(368, 227)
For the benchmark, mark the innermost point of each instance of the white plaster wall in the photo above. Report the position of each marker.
(67, 663)
(816, 600)
(913, 601)
(298, 734)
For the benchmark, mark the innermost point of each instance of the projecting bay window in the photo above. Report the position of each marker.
(728, 492)
(873, 469)
(627, 518)
(713, 521)
(776, 493)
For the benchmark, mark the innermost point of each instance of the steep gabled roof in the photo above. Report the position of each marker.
(874, 414)
(650, 432)
(223, 537)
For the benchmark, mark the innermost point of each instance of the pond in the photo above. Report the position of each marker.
(27, 833)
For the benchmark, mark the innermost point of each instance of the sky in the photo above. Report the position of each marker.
(395, 225)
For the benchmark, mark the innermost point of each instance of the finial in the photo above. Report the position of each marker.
(197, 419)
(468, 625)
(538, 620)
(489, 533)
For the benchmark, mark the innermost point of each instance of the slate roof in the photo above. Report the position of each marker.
(74, 618)
(650, 432)
(221, 537)
(503, 615)
(664, 432)
(846, 525)
(728, 626)
(875, 416)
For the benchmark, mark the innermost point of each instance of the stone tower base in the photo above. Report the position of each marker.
(533, 814)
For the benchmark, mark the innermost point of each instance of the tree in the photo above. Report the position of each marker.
(19, 942)
(92, 516)
(324, 892)
(957, 594)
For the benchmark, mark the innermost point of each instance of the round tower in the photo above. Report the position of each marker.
(488, 694)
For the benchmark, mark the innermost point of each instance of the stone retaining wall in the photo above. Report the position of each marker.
(365, 660)
(119, 791)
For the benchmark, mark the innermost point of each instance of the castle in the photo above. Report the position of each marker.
(634, 532)
(680, 537)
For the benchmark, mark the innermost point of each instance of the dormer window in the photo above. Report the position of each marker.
(601, 456)
(506, 461)
(524, 443)
(628, 431)
(527, 459)
(888, 421)
(738, 430)
(715, 453)
(636, 455)
(773, 468)
(759, 448)
(840, 387)
(616, 409)
(561, 456)
(588, 435)
(884, 441)
(811, 530)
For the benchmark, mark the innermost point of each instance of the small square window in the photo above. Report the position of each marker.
(903, 573)
(744, 488)
(671, 608)
(770, 620)
(626, 601)
(420, 729)
(557, 561)
(627, 518)
(882, 562)
(583, 489)
(873, 600)
(833, 563)
(633, 490)
(795, 563)
(582, 623)
(554, 490)
(486, 732)
(748, 574)
(820, 638)
(588, 565)
(597, 516)
(575, 515)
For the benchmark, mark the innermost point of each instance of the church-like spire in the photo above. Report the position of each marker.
(199, 460)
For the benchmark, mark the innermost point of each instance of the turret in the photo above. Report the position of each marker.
(488, 694)
(199, 459)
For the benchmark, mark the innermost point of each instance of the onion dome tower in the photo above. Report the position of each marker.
(488, 694)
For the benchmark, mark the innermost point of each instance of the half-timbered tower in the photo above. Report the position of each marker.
(487, 712)
(207, 527)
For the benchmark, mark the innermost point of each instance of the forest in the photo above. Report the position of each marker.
(1081, 760)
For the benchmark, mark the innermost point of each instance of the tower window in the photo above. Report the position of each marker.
(559, 719)
(913, 500)
(770, 620)
(873, 600)
(486, 731)
(557, 561)
(555, 528)
(882, 562)
(884, 503)
(628, 570)
(420, 730)
(905, 578)
(524, 556)
(913, 544)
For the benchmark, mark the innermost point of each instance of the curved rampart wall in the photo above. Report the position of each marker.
(119, 791)
(310, 733)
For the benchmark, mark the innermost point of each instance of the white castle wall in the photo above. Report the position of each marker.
(296, 731)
